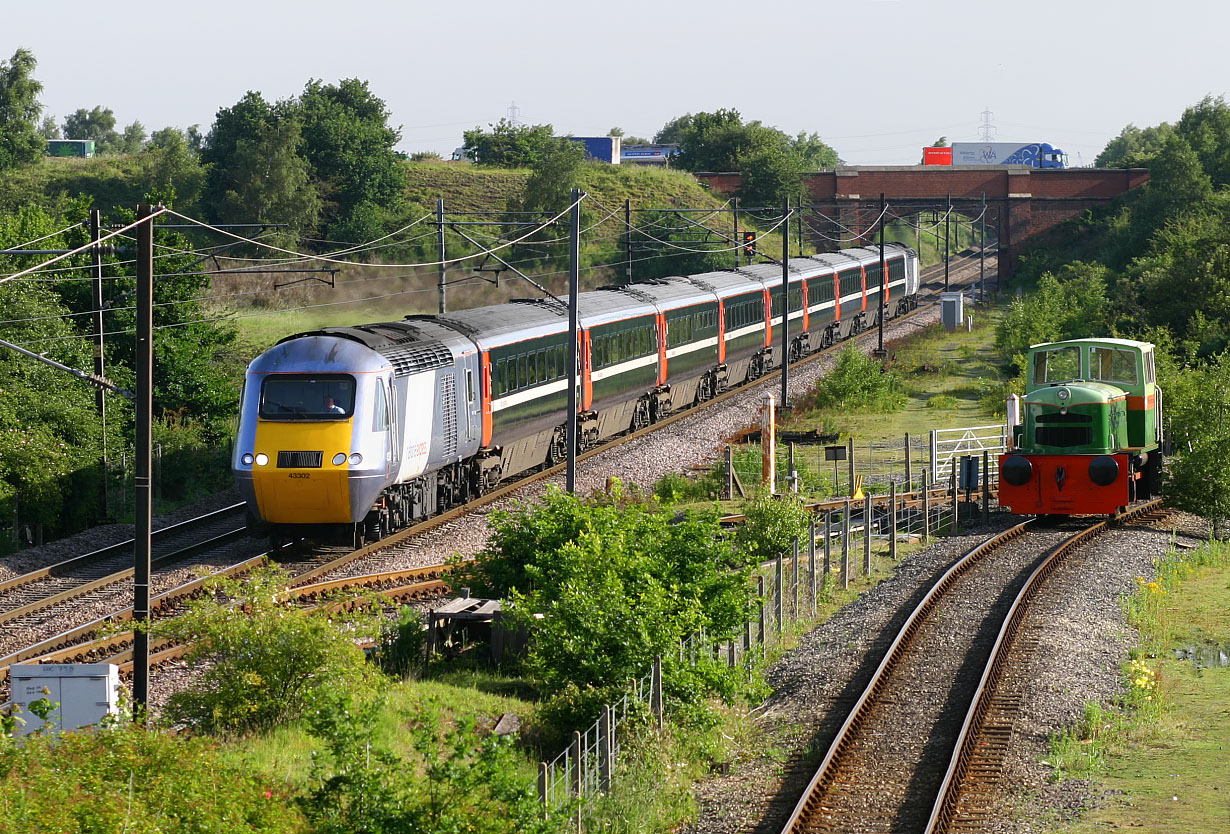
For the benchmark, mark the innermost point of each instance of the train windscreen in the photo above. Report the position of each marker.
(307, 397)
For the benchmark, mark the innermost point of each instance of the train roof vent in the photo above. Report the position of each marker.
(416, 356)
(554, 305)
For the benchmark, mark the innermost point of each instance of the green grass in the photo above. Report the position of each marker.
(1164, 760)
(952, 380)
(285, 755)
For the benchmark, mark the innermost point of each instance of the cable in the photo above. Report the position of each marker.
(160, 210)
(385, 266)
(45, 237)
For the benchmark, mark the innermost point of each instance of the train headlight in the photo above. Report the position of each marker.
(355, 458)
(1103, 470)
(1063, 393)
(262, 459)
(1016, 470)
(247, 459)
(339, 458)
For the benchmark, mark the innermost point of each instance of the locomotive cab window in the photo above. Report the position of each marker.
(1058, 365)
(307, 397)
(1108, 364)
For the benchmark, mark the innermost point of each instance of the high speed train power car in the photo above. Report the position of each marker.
(359, 430)
(1090, 437)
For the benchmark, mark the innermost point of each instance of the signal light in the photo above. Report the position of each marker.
(749, 244)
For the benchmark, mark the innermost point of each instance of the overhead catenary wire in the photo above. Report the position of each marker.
(323, 259)
(425, 290)
(160, 210)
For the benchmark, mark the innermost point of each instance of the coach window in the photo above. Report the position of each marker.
(1058, 365)
(1113, 365)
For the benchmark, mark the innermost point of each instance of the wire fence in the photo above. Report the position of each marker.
(845, 540)
(835, 469)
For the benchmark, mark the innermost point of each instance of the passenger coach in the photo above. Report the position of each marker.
(436, 409)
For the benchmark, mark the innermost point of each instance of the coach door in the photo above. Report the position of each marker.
(472, 414)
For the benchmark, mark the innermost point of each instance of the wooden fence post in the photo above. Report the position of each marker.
(828, 548)
(604, 750)
(845, 546)
(655, 695)
(867, 528)
(542, 790)
(892, 523)
(986, 487)
(779, 597)
(760, 607)
(811, 559)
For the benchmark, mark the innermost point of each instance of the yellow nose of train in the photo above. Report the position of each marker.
(301, 483)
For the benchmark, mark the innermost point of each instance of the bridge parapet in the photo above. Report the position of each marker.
(1023, 202)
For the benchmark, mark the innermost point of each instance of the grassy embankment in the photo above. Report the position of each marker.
(367, 293)
(1161, 755)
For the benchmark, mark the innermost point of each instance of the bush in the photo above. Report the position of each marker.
(451, 780)
(268, 658)
(617, 580)
(125, 778)
(400, 651)
(773, 523)
(859, 382)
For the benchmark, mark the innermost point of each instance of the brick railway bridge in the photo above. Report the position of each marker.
(1022, 202)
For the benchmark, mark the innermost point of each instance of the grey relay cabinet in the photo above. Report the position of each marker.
(85, 692)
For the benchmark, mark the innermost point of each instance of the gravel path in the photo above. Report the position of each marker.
(1084, 639)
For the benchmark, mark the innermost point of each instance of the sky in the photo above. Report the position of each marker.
(876, 79)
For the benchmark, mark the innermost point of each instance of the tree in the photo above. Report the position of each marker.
(507, 145)
(1198, 411)
(266, 180)
(812, 152)
(49, 434)
(245, 121)
(672, 132)
(772, 162)
(1134, 147)
(170, 168)
(1206, 128)
(48, 129)
(1068, 304)
(1177, 184)
(20, 142)
(555, 174)
(349, 144)
(719, 141)
(132, 139)
(770, 176)
(97, 124)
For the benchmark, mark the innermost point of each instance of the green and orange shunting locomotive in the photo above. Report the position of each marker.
(1089, 435)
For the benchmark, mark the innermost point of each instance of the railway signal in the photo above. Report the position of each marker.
(749, 244)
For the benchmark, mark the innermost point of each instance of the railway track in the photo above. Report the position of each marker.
(920, 744)
(42, 594)
(32, 592)
(82, 645)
